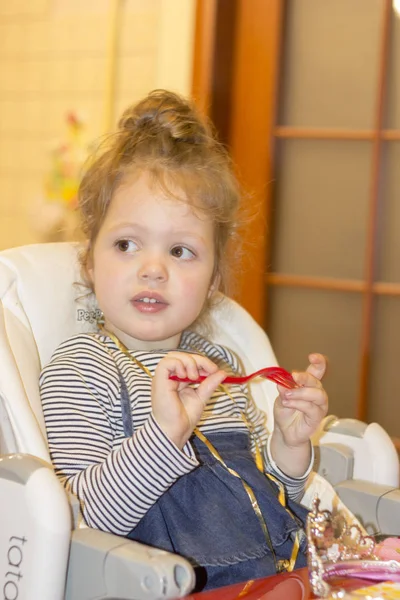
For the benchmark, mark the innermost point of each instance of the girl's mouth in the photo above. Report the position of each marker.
(149, 302)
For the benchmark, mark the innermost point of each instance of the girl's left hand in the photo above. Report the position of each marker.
(299, 411)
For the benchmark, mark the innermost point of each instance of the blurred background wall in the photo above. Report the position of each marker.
(90, 58)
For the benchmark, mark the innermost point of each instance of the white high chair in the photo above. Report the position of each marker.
(41, 307)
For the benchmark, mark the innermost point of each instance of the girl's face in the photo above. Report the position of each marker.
(152, 266)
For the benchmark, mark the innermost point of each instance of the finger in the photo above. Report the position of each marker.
(310, 410)
(317, 366)
(171, 365)
(209, 385)
(183, 366)
(195, 364)
(306, 379)
(314, 396)
(190, 365)
(205, 365)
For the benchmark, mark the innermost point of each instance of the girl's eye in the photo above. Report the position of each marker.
(126, 246)
(182, 252)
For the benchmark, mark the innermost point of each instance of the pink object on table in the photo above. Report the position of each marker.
(374, 570)
(388, 549)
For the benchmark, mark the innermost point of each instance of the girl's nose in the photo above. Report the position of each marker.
(153, 269)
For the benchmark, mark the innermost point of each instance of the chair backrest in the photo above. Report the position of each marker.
(43, 303)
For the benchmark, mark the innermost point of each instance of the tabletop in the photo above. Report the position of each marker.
(293, 586)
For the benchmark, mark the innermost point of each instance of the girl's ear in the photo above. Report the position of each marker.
(89, 272)
(214, 287)
(89, 264)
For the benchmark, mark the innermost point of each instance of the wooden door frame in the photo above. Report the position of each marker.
(250, 51)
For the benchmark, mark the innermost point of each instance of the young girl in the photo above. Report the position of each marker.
(183, 467)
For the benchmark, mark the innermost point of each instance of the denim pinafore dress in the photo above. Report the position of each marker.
(207, 516)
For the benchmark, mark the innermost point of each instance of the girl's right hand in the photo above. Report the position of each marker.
(177, 407)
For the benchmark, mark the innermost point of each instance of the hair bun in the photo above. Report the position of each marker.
(164, 112)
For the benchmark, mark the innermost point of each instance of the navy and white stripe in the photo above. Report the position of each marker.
(118, 479)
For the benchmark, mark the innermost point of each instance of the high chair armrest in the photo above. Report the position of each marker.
(376, 506)
(375, 458)
(335, 462)
(105, 566)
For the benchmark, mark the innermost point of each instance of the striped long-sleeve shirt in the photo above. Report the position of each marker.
(118, 479)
